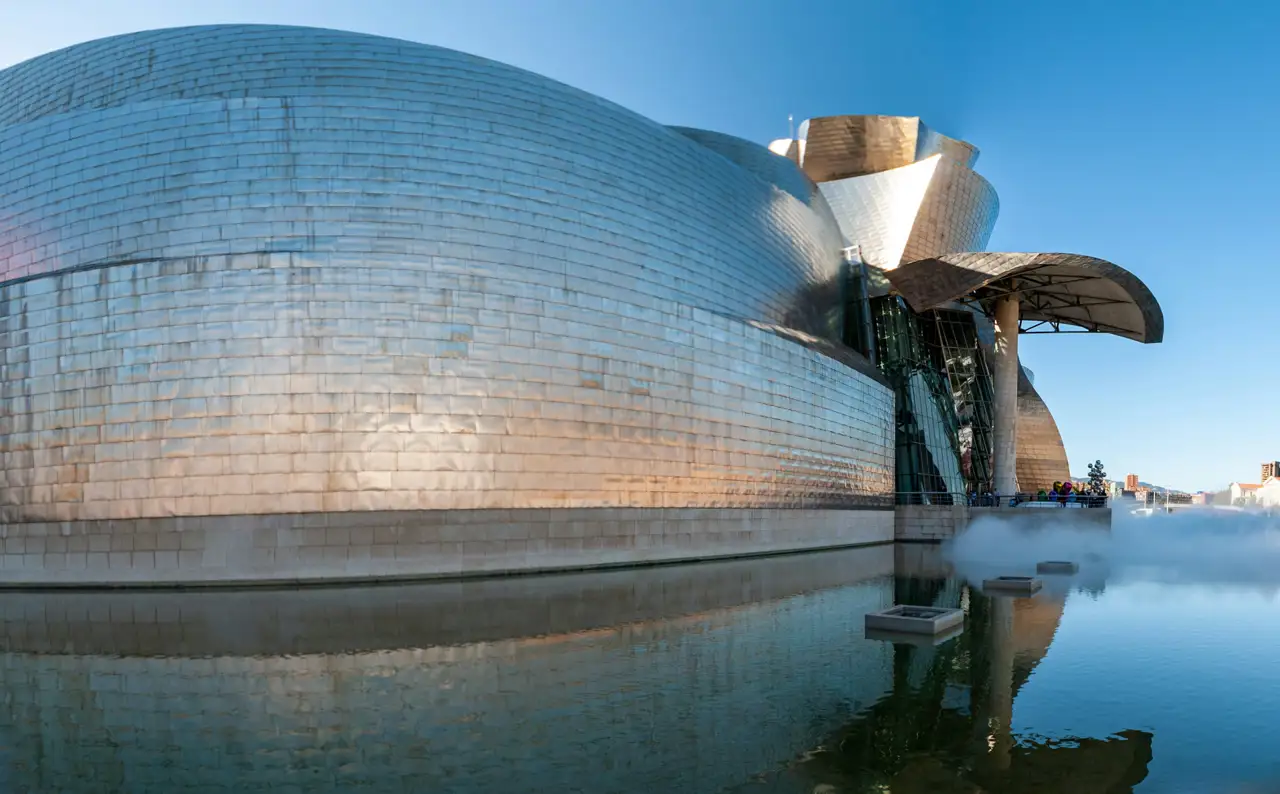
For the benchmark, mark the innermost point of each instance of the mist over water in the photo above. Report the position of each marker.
(1210, 547)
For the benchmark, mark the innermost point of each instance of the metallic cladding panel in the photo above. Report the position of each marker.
(1042, 458)
(958, 213)
(334, 382)
(839, 147)
(876, 212)
(895, 216)
(279, 270)
(240, 139)
(777, 170)
(931, 142)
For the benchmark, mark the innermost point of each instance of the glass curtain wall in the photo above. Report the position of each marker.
(940, 374)
(972, 393)
(910, 357)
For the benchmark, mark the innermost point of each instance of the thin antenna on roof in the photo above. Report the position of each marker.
(791, 126)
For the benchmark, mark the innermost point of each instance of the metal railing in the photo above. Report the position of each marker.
(1020, 500)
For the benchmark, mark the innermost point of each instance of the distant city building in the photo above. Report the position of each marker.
(1268, 495)
(1269, 469)
(1202, 498)
(1246, 492)
(1131, 482)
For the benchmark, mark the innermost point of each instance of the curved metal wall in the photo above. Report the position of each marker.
(958, 213)
(877, 211)
(331, 382)
(756, 159)
(235, 139)
(1042, 458)
(264, 270)
(929, 208)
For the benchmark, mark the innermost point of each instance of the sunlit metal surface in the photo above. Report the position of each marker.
(260, 270)
(756, 159)
(900, 190)
(838, 147)
(877, 212)
(908, 198)
(958, 213)
(1042, 458)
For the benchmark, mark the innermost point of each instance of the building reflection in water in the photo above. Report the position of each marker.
(679, 678)
(946, 726)
(706, 677)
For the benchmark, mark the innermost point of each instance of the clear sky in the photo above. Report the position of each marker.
(1140, 132)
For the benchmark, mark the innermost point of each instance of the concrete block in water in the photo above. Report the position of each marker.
(914, 620)
(1057, 566)
(1014, 585)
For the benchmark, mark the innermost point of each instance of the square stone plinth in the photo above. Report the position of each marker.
(914, 620)
(1015, 585)
(1057, 566)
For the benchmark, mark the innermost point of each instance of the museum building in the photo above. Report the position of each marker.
(283, 303)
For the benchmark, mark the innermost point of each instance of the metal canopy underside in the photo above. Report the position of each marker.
(1083, 293)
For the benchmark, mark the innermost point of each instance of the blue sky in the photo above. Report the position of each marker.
(1139, 132)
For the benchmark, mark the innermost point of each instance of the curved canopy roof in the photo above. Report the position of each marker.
(1055, 289)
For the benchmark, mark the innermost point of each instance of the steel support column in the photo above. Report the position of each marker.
(1005, 380)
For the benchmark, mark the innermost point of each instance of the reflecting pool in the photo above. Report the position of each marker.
(741, 676)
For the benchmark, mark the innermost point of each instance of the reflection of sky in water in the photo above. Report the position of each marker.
(1194, 664)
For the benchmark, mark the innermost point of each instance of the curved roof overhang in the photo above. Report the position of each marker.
(1082, 292)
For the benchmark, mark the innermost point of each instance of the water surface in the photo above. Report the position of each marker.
(743, 676)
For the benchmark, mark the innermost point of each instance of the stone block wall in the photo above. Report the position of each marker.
(936, 523)
(409, 544)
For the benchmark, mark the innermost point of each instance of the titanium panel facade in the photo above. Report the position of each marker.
(241, 139)
(256, 270)
(283, 383)
(1042, 458)
(877, 212)
(958, 213)
(910, 201)
(756, 159)
(926, 209)
(839, 147)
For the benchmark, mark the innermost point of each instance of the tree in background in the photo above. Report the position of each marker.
(1097, 477)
